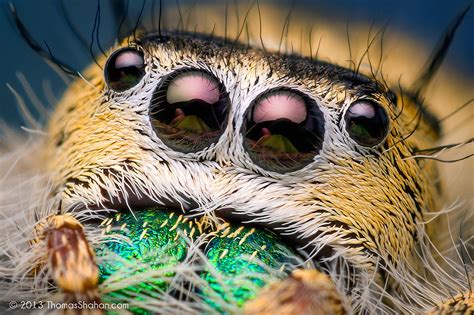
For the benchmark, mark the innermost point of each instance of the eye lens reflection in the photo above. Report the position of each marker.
(124, 69)
(189, 110)
(284, 131)
(367, 123)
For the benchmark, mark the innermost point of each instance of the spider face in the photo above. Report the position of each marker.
(188, 173)
(309, 150)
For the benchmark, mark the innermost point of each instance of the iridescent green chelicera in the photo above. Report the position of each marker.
(155, 241)
(240, 260)
(244, 260)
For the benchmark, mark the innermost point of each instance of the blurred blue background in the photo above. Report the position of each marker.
(424, 20)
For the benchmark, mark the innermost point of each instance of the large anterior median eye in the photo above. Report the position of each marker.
(189, 110)
(124, 69)
(284, 130)
(366, 122)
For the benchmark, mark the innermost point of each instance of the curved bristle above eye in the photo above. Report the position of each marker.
(44, 53)
(437, 57)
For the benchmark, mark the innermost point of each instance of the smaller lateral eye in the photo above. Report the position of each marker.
(284, 130)
(124, 69)
(367, 123)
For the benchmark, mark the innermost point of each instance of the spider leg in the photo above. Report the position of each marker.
(460, 304)
(304, 292)
(69, 257)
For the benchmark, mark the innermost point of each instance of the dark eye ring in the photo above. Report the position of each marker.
(367, 122)
(124, 69)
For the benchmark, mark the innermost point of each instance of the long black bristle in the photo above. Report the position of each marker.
(120, 12)
(139, 20)
(97, 36)
(91, 44)
(45, 54)
(160, 18)
(437, 57)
